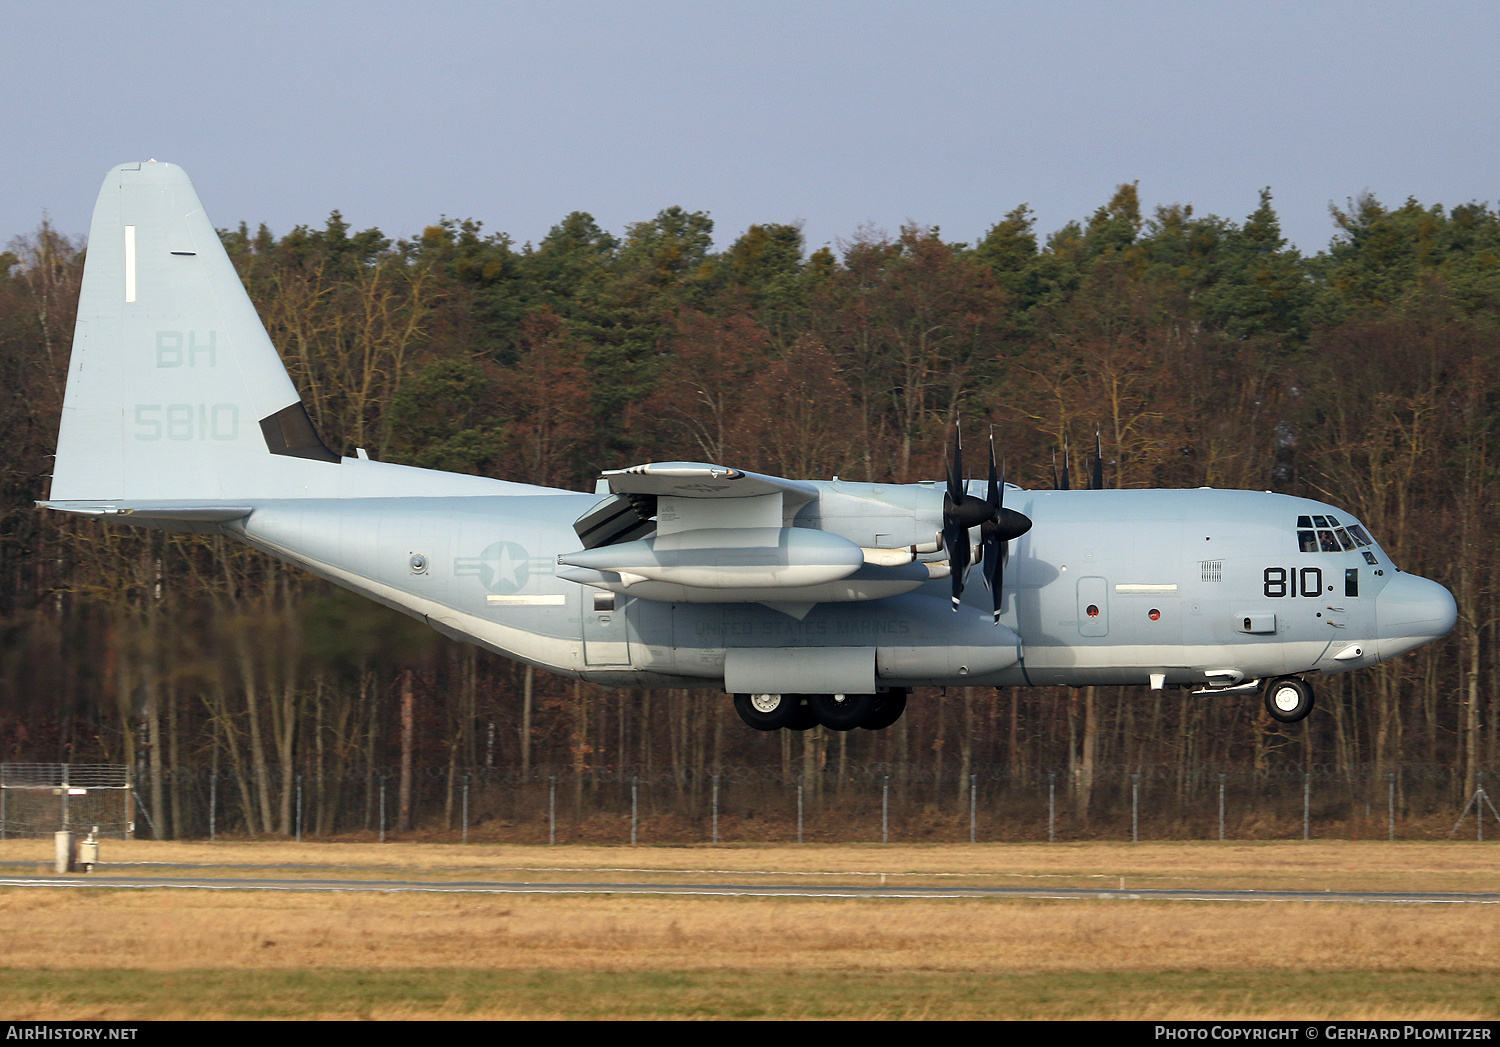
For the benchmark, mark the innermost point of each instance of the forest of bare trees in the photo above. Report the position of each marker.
(1204, 351)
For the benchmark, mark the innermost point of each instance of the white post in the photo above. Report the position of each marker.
(65, 852)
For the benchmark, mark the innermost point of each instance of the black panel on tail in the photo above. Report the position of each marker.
(290, 432)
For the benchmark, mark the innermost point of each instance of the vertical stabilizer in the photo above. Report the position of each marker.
(175, 391)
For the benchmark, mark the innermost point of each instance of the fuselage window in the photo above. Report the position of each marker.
(1307, 541)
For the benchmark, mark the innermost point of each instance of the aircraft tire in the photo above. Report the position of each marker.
(892, 705)
(842, 712)
(803, 719)
(1289, 699)
(767, 712)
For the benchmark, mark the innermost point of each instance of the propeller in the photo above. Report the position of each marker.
(1060, 481)
(997, 525)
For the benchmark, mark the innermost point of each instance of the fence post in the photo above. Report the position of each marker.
(1221, 806)
(1391, 804)
(552, 812)
(716, 810)
(1306, 805)
(1479, 809)
(1052, 807)
(799, 808)
(466, 807)
(973, 806)
(1135, 808)
(885, 810)
(634, 809)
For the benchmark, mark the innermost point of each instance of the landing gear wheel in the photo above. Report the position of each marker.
(766, 712)
(841, 712)
(892, 705)
(1289, 699)
(803, 719)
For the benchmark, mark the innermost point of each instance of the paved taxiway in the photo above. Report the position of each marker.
(759, 890)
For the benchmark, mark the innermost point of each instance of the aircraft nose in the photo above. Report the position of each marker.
(1411, 611)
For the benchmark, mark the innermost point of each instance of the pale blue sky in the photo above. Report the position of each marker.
(834, 114)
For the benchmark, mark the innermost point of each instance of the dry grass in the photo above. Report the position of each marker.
(1318, 865)
(251, 954)
(178, 930)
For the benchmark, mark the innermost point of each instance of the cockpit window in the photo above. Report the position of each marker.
(1325, 534)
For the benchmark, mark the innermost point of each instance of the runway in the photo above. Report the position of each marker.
(735, 890)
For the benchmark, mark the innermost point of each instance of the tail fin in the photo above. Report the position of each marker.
(175, 391)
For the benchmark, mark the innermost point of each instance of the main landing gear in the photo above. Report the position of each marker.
(837, 712)
(1289, 699)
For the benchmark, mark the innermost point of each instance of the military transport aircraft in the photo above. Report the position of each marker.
(811, 601)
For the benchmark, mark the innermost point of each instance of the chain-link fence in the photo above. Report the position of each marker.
(38, 799)
(867, 801)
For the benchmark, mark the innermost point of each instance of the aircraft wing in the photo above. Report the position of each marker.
(678, 496)
(701, 480)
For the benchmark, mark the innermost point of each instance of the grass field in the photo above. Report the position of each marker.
(227, 954)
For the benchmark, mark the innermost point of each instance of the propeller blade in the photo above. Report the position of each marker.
(993, 495)
(958, 558)
(956, 467)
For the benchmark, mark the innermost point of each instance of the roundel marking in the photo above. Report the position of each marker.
(503, 568)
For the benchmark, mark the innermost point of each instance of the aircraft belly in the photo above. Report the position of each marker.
(908, 640)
